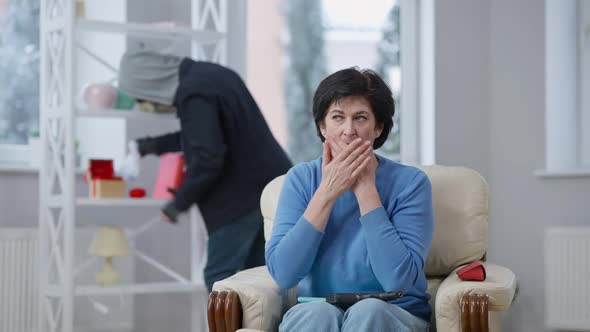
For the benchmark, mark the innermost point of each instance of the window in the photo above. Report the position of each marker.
(325, 36)
(584, 90)
(19, 77)
(374, 38)
(567, 83)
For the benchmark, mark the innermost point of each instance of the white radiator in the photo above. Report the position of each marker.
(567, 278)
(19, 296)
(18, 280)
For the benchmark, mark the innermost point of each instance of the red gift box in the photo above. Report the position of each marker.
(103, 182)
(472, 272)
(100, 169)
(112, 188)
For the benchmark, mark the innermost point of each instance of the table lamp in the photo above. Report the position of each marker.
(110, 241)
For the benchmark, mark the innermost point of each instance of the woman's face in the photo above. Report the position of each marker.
(350, 118)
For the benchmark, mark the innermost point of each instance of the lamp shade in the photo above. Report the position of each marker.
(109, 241)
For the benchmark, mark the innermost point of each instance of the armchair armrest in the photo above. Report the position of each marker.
(464, 305)
(262, 301)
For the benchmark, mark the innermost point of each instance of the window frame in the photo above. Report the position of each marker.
(15, 154)
(567, 112)
(417, 89)
(584, 83)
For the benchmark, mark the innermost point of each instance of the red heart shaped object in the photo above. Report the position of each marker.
(472, 272)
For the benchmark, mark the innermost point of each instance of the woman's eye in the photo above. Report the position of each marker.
(336, 117)
(361, 117)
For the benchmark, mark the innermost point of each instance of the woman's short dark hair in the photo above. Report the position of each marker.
(356, 82)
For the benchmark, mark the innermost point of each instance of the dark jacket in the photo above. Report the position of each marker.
(229, 150)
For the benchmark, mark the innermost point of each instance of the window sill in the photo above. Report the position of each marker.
(24, 168)
(569, 173)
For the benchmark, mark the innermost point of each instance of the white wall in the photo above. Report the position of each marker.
(461, 83)
(524, 205)
(490, 116)
(264, 64)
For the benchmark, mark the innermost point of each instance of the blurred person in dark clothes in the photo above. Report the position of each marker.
(230, 153)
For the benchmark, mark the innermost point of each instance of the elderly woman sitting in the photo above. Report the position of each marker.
(352, 221)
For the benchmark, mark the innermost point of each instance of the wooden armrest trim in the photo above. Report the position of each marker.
(211, 311)
(224, 312)
(474, 313)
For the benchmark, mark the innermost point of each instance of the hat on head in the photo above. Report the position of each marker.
(149, 76)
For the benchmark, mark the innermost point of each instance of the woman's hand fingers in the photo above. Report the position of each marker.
(356, 151)
(359, 151)
(335, 146)
(354, 164)
(327, 155)
(363, 165)
(349, 149)
(340, 170)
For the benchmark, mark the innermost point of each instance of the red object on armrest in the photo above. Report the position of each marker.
(472, 272)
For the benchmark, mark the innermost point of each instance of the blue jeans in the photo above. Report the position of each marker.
(234, 247)
(366, 315)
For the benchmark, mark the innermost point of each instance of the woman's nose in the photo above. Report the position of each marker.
(349, 129)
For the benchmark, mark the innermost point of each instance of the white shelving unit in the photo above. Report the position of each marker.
(150, 31)
(120, 113)
(85, 201)
(57, 175)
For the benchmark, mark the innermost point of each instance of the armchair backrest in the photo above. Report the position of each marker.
(460, 199)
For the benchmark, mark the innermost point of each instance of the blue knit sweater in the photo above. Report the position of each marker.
(383, 250)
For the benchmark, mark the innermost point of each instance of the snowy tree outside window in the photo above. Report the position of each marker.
(306, 68)
(19, 70)
(325, 36)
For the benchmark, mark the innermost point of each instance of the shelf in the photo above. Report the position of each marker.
(112, 113)
(562, 174)
(125, 289)
(160, 287)
(153, 30)
(24, 168)
(122, 202)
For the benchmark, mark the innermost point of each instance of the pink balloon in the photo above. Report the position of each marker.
(100, 95)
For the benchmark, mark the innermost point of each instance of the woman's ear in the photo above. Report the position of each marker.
(323, 129)
(378, 130)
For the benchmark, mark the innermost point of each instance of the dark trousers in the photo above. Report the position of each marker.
(234, 247)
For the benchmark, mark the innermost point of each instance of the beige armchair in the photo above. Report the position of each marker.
(251, 300)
